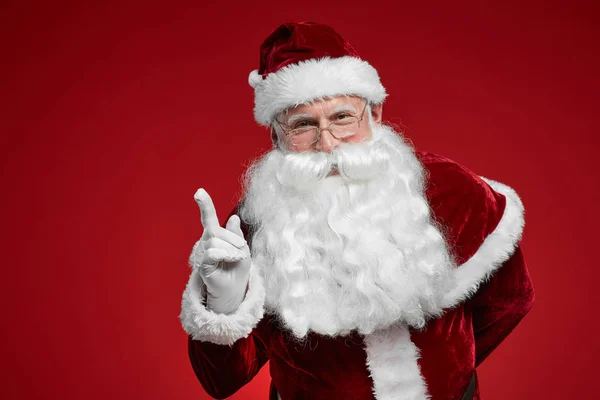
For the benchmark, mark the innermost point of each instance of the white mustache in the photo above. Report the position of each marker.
(355, 162)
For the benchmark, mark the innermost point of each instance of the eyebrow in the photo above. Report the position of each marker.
(344, 107)
(336, 110)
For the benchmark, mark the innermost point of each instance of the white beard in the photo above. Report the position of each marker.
(354, 251)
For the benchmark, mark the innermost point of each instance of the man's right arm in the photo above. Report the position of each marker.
(222, 305)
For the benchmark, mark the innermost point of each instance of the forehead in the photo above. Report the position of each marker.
(325, 106)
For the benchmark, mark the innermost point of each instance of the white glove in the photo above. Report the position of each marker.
(221, 257)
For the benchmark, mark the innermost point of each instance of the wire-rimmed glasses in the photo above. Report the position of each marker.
(306, 133)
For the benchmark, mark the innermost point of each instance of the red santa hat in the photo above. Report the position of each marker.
(302, 62)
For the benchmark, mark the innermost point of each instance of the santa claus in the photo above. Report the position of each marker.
(359, 267)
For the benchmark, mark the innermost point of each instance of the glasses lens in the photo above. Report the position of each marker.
(345, 127)
(303, 136)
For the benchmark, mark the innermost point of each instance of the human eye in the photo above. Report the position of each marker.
(303, 124)
(343, 117)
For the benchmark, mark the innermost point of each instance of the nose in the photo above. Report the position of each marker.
(327, 142)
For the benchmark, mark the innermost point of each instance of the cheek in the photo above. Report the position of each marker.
(295, 149)
(361, 136)
(298, 149)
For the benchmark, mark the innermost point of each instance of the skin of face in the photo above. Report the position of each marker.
(323, 111)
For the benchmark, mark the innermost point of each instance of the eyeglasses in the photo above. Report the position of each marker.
(344, 126)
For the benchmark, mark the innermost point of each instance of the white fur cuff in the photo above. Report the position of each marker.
(208, 326)
(497, 247)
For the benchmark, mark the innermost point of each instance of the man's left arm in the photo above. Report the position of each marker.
(483, 222)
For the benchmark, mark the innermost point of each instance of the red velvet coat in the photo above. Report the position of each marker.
(482, 222)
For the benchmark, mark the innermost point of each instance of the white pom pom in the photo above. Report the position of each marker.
(254, 78)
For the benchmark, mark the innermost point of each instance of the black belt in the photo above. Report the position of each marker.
(470, 392)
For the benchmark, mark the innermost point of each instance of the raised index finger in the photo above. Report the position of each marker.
(208, 214)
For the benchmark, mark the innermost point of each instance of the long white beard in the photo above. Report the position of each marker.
(354, 251)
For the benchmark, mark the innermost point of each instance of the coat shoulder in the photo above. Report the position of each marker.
(465, 207)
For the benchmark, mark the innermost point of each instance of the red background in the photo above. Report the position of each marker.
(113, 115)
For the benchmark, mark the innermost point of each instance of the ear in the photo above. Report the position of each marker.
(273, 136)
(376, 113)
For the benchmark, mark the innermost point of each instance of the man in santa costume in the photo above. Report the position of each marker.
(359, 267)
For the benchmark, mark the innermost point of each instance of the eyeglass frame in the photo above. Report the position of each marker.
(318, 136)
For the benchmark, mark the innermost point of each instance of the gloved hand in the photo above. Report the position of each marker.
(221, 257)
